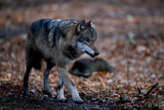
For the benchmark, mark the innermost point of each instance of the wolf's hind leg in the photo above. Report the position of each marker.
(26, 78)
(70, 85)
(46, 89)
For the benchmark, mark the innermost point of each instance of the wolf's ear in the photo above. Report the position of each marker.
(91, 24)
(81, 26)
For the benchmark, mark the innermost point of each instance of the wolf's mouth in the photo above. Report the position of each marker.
(85, 48)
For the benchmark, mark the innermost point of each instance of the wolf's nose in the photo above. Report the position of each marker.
(96, 53)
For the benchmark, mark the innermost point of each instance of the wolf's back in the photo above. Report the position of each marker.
(40, 26)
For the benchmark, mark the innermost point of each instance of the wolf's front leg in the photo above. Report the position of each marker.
(60, 93)
(70, 85)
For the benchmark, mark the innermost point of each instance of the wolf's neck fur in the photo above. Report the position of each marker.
(71, 52)
(68, 30)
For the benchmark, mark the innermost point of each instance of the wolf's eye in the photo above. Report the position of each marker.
(87, 41)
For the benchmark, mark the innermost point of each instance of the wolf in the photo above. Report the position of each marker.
(58, 42)
(86, 66)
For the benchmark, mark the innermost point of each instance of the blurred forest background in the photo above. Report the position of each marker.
(130, 38)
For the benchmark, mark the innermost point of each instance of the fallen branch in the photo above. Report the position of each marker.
(141, 94)
(139, 91)
(151, 89)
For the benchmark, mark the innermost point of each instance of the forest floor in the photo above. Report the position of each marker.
(130, 38)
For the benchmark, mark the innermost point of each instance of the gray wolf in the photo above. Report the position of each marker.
(58, 42)
(86, 66)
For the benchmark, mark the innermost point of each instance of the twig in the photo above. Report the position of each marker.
(150, 90)
(141, 94)
(139, 91)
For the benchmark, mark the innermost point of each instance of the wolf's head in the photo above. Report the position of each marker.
(85, 38)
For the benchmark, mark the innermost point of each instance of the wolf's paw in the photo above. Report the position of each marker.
(47, 92)
(77, 100)
(61, 98)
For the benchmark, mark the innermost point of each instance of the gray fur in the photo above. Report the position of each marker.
(56, 42)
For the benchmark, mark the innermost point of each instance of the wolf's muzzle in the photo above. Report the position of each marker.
(85, 48)
(93, 54)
